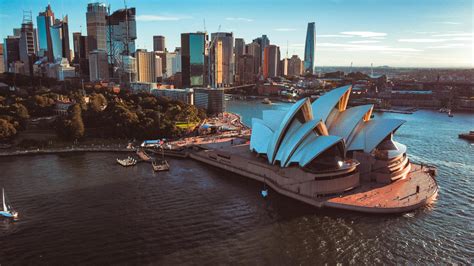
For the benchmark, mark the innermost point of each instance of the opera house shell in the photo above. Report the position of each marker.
(326, 154)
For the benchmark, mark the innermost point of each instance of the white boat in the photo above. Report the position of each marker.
(7, 210)
(161, 165)
(127, 162)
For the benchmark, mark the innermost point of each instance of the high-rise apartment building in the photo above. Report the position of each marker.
(227, 63)
(309, 48)
(159, 43)
(98, 66)
(149, 66)
(27, 44)
(247, 73)
(253, 49)
(271, 59)
(96, 26)
(193, 59)
(295, 66)
(239, 50)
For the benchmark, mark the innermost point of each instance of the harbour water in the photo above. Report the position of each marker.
(84, 208)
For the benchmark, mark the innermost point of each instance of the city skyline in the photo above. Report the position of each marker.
(429, 34)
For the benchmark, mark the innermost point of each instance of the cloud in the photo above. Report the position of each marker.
(453, 34)
(366, 41)
(358, 47)
(436, 40)
(285, 29)
(449, 22)
(333, 36)
(239, 19)
(447, 46)
(160, 18)
(364, 34)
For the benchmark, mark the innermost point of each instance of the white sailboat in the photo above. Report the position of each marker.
(7, 210)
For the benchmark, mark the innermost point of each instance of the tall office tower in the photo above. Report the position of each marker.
(295, 66)
(81, 53)
(149, 66)
(218, 64)
(96, 26)
(44, 22)
(239, 50)
(309, 48)
(2, 63)
(263, 42)
(253, 49)
(27, 43)
(227, 40)
(193, 59)
(271, 59)
(60, 40)
(11, 52)
(80, 46)
(121, 35)
(159, 43)
(98, 66)
(283, 67)
(246, 69)
(173, 64)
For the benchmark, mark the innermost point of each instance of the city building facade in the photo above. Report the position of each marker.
(193, 59)
(310, 48)
(159, 44)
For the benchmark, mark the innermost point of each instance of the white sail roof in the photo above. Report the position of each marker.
(345, 122)
(324, 104)
(274, 144)
(263, 133)
(311, 147)
(373, 132)
(306, 130)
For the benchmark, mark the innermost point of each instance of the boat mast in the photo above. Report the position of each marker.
(4, 204)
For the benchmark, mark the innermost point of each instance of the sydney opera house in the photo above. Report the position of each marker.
(326, 154)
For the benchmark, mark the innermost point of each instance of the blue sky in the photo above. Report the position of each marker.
(413, 33)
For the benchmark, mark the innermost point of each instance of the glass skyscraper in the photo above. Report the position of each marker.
(193, 48)
(309, 48)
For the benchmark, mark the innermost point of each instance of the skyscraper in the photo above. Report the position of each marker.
(159, 43)
(309, 48)
(60, 40)
(193, 59)
(44, 22)
(227, 40)
(27, 44)
(239, 50)
(149, 66)
(246, 69)
(80, 46)
(295, 66)
(96, 26)
(121, 35)
(2, 63)
(11, 52)
(263, 42)
(253, 49)
(98, 67)
(271, 60)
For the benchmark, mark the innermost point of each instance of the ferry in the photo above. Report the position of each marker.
(160, 165)
(7, 210)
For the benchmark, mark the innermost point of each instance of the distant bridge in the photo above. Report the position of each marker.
(241, 87)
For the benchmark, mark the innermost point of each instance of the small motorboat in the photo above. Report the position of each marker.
(7, 210)
(450, 114)
(160, 165)
(266, 101)
(467, 136)
(127, 162)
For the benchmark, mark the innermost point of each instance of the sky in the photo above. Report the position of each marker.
(396, 33)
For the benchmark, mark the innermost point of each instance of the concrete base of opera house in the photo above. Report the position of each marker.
(343, 189)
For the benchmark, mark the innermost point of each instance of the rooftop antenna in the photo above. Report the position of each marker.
(372, 69)
(286, 48)
(350, 69)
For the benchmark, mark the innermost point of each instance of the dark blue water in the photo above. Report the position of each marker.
(84, 208)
